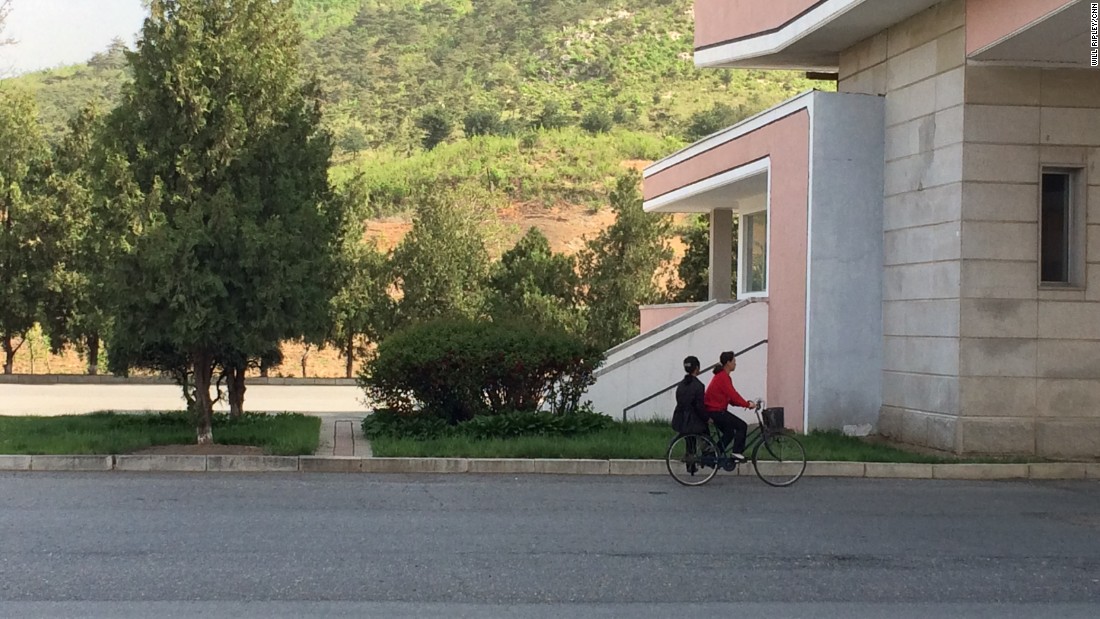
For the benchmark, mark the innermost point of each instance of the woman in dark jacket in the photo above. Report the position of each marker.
(688, 417)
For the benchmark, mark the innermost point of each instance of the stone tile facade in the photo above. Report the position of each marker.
(918, 65)
(980, 358)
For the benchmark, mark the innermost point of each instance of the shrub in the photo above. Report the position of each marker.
(482, 122)
(551, 117)
(435, 125)
(597, 121)
(516, 424)
(458, 369)
(393, 424)
(389, 423)
(709, 121)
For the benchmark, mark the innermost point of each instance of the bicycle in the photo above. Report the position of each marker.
(777, 456)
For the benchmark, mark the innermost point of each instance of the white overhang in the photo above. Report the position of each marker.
(812, 40)
(1061, 38)
(743, 187)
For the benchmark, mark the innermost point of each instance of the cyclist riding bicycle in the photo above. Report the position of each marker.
(720, 394)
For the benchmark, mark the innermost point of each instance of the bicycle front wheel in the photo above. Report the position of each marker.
(779, 460)
(692, 459)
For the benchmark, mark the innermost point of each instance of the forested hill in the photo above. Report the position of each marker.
(548, 78)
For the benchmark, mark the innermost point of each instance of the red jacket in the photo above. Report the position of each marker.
(720, 393)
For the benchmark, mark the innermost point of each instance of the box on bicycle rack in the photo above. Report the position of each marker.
(773, 418)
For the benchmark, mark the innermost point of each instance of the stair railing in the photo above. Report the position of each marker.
(677, 383)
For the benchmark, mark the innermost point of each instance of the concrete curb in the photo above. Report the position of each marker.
(518, 466)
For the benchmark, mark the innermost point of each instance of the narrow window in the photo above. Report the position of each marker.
(1057, 227)
(756, 250)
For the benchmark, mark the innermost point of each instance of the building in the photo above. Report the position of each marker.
(925, 240)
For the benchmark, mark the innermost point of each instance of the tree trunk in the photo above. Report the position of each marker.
(305, 356)
(349, 352)
(236, 392)
(203, 370)
(9, 354)
(93, 354)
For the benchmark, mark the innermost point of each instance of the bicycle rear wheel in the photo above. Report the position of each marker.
(692, 459)
(779, 459)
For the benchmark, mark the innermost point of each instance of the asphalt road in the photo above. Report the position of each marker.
(137, 545)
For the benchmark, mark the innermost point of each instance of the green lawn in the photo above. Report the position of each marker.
(637, 440)
(114, 433)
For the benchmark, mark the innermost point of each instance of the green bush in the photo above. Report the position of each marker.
(597, 120)
(511, 425)
(435, 125)
(393, 424)
(551, 117)
(706, 122)
(483, 121)
(424, 427)
(458, 369)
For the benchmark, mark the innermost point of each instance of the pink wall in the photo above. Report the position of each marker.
(653, 316)
(787, 142)
(988, 21)
(717, 21)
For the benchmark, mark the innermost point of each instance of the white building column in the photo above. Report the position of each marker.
(721, 255)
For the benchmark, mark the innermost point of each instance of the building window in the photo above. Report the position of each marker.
(1059, 227)
(755, 272)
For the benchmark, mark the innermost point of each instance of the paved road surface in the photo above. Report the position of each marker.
(130, 545)
(78, 399)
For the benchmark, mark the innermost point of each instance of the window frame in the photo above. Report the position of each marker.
(744, 260)
(1075, 227)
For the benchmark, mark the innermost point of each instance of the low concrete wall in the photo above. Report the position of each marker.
(83, 379)
(652, 316)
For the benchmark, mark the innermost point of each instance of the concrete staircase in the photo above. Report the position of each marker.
(652, 361)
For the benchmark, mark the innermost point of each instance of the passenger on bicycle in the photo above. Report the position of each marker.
(688, 417)
(720, 394)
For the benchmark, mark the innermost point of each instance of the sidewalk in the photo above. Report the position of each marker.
(342, 436)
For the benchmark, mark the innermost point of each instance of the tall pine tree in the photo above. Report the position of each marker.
(619, 266)
(24, 265)
(233, 229)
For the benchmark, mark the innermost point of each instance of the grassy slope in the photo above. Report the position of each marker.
(381, 62)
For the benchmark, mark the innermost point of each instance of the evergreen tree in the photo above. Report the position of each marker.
(362, 309)
(619, 266)
(82, 248)
(24, 263)
(225, 181)
(532, 282)
(441, 265)
(435, 125)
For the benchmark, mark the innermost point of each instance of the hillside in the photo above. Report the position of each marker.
(541, 102)
(530, 70)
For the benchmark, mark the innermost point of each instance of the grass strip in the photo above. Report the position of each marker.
(644, 440)
(285, 434)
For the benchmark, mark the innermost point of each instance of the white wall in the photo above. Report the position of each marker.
(844, 313)
(656, 367)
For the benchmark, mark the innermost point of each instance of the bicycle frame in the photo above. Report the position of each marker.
(754, 437)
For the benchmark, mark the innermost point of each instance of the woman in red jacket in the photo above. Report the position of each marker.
(720, 394)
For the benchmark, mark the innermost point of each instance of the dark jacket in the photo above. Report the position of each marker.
(688, 417)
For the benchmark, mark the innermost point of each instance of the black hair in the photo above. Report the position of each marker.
(691, 364)
(723, 359)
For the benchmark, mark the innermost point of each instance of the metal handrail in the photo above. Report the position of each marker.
(677, 383)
